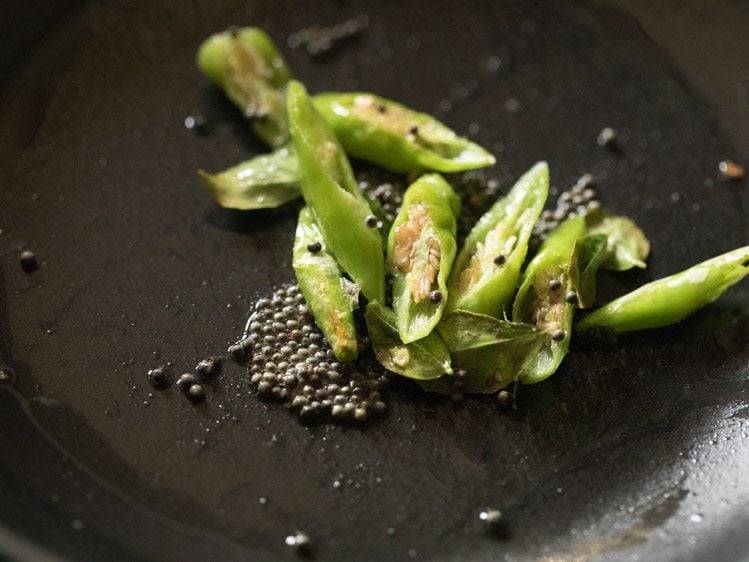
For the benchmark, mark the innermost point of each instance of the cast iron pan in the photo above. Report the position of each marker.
(635, 451)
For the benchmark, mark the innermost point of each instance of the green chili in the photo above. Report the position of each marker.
(424, 359)
(487, 269)
(493, 353)
(264, 182)
(544, 298)
(249, 68)
(330, 296)
(329, 188)
(389, 134)
(669, 300)
(421, 250)
(627, 244)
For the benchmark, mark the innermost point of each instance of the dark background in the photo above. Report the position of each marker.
(637, 451)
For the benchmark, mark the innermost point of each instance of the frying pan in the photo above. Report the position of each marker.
(632, 451)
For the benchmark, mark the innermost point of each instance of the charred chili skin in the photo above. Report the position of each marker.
(487, 269)
(542, 298)
(249, 68)
(330, 297)
(330, 190)
(421, 250)
(668, 300)
(263, 182)
(395, 137)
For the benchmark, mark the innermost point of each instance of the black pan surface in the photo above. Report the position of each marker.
(637, 451)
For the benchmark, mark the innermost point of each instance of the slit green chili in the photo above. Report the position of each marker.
(264, 182)
(543, 298)
(330, 190)
(668, 300)
(330, 296)
(249, 68)
(487, 269)
(395, 137)
(421, 250)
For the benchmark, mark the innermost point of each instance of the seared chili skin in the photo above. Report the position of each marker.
(670, 299)
(330, 190)
(270, 180)
(395, 137)
(421, 251)
(487, 270)
(328, 294)
(542, 298)
(249, 68)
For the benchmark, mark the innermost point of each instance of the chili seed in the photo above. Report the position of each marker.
(555, 284)
(435, 297)
(500, 259)
(371, 221)
(571, 297)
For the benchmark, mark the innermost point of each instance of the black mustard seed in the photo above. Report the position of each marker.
(28, 261)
